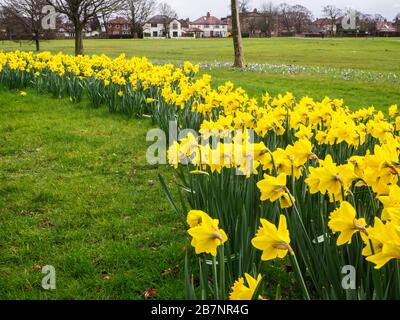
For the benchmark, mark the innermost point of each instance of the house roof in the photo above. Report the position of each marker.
(322, 22)
(118, 20)
(384, 26)
(160, 19)
(208, 20)
(194, 30)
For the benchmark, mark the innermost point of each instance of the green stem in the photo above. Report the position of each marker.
(222, 269)
(215, 273)
(299, 216)
(299, 275)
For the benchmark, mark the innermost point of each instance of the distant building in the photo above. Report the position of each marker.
(324, 26)
(65, 29)
(118, 26)
(211, 26)
(386, 28)
(163, 27)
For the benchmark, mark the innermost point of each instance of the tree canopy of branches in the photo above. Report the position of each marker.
(138, 12)
(332, 13)
(269, 13)
(81, 12)
(294, 17)
(301, 17)
(168, 14)
(26, 17)
(244, 6)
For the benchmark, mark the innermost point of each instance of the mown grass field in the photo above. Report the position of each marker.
(75, 189)
(76, 193)
(379, 54)
(373, 58)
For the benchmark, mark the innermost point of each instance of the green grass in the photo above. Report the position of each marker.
(356, 94)
(76, 193)
(379, 54)
(373, 58)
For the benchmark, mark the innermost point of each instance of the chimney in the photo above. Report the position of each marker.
(255, 10)
(208, 14)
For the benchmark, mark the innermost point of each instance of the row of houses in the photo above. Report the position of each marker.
(254, 24)
(158, 26)
(206, 26)
(378, 28)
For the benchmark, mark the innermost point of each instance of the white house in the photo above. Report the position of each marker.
(158, 26)
(211, 26)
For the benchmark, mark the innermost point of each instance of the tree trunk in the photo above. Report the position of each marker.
(78, 41)
(237, 35)
(37, 42)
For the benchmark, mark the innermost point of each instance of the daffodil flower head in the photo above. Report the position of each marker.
(207, 236)
(244, 291)
(344, 220)
(272, 241)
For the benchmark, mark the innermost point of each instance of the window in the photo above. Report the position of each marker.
(154, 25)
(216, 27)
(175, 26)
(206, 26)
(155, 34)
(175, 34)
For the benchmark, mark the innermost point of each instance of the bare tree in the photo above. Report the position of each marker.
(332, 13)
(11, 27)
(269, 13)
(27, 14)
(244, 6)
(368, 22)
(138, 12)
(285, 14)
(252, 26)
(237, 35)
(301, 17)
(81, 12)
(168, 15)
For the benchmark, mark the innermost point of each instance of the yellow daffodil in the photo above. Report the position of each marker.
(391, 205)
(245, 291)
(207, 237)
(272, 188)
(195, 218)
(344, 220)
(273, 242)
(388, 238)
(150, 100)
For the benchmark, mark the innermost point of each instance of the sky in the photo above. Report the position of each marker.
(194, 9)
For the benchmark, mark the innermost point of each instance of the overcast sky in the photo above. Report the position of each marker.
(193, 9)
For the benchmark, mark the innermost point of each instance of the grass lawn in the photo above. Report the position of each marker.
(373, 58)
(76, 193)
(379, 54)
